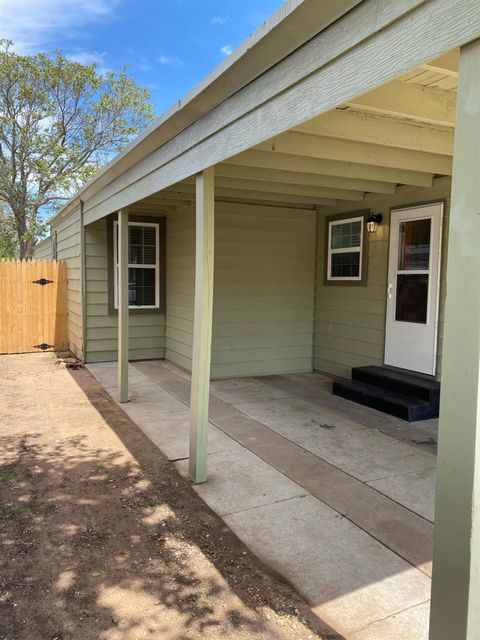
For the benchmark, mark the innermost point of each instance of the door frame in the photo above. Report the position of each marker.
(419, 205)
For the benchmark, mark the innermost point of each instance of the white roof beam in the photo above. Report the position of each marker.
(446, 64)
(302, 144)
(289, 189)
(378, 129)
(309, 179)
(286, 162)
(258, 195)
(410, 100)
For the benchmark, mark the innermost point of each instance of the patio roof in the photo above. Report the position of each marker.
(291, 26)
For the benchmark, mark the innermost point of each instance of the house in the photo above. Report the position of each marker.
(295, 212)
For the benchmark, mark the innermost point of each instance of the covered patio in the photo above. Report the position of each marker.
(327, 113)
(335, 497)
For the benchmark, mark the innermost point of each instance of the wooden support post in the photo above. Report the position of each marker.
(122, 372)
(455, 609)
(202, 329)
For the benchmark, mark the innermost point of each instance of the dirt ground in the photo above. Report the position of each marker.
(102, 539)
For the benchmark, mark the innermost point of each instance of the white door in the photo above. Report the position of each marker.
(413, 288)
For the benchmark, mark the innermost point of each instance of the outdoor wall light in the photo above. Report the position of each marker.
(373, 221)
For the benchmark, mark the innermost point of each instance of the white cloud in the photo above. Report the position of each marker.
(144, 66)
(87, 57)
(221, 19)
(227, 49)
(173, 61)
(40, 24)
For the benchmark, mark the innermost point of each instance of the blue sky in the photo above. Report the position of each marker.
(168, 45)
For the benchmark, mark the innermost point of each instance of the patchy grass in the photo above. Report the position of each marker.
(6, 476)
(176, 503)
(49, 506)
(10, 513)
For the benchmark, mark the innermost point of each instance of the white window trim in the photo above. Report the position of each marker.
(332, 252)
(155, 266)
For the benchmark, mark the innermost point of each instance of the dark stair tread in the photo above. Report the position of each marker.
(398, 381)
(402, 376)
(386, 400)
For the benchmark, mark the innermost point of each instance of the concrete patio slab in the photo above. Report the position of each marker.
(239, 480)
(170, 434)
(236, 390)
(411, 624)
(402, 531)
(106, 373)
(295, 417)
(414, 490)
(179, 386)
(350, 579)
(367, 454)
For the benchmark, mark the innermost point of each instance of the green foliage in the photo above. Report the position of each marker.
(8, 236)
(59, 122)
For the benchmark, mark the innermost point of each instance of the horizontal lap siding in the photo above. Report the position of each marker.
(68, 249)
(350, 321)
(147, 331)
(43, 250)
(263, 292)
(180, 287)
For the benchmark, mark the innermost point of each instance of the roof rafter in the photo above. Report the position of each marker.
(344, 169)
(308, 179)
(410, 100)
(314, 146)
(361, 126)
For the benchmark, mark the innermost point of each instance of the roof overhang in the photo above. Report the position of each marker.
(296, 22)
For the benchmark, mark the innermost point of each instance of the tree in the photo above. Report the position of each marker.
(8, 236)
(60, 120)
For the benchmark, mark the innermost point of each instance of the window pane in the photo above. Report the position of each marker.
(414, 245)
(412, 298)
(141, 287)
(149, 245)
(346, 235)
(345, 265)
(142, 245)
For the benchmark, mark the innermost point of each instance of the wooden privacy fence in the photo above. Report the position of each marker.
(33, 306)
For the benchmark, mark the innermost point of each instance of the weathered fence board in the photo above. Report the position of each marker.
(33, 306)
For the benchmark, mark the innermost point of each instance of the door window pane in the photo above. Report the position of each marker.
(412, 298)
(345, 265)
(414, 245)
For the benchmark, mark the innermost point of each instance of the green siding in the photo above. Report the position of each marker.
(263, 292)
(180, 287)
(43, 250)
(147, 331)
(68, 248)
(350, 321)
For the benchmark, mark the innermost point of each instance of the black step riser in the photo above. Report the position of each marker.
(399, 386)
(381, 404)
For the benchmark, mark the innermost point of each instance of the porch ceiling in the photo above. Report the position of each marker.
(399, 134)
